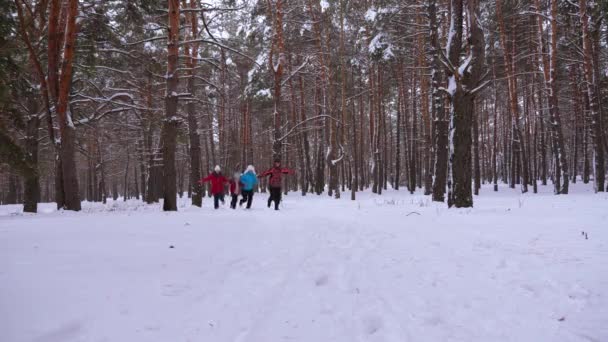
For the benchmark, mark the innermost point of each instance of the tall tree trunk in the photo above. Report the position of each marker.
(438, 112)
(195, 189)
(543, 136)
(64, 115)
(334, 153)
(125, 188)
(355, 147)
(518, 148)
(276, 60)
(103, 196)
(426, 163)
(476, 167)
(398, 138)
(169, 133)
(591, 83)
(136, 182)
(11, 196)
(586, 166)
(463, 83)
(305, 141)
(372, 129)
(576, 110)
(40, 79)
(377, 134)
(561, 177)
(413, 139)
(31, 191)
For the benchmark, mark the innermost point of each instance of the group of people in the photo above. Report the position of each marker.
(244, 184)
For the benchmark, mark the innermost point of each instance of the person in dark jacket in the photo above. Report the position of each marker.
(218, 183)
(249, 180)
(275, 182)
(235, 189)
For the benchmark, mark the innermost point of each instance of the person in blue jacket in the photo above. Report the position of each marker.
(249, 180)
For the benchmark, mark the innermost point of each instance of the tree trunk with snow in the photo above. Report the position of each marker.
(169, 131)
(437, 110)
(561, 177)
(464, 81)
(195, 189)
(66, 127)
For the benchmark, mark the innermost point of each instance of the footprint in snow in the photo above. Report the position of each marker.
(321, 280)
(67, 331)
(528, 288)
(433, 320)
(174, 290)
(242, 336)
(372, 324)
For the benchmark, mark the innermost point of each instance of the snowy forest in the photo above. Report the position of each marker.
(139, 99)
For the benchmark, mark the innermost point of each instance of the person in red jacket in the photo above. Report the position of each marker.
(235, 189)
(218, 182)
(275, 182)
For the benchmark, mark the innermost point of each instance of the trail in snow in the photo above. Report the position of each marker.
(395, 267)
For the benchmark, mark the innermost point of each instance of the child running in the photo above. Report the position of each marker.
(218, 182)
(249, 180)
(235, 189)
(275, 182)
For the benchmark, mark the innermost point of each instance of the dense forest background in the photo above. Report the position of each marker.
(139, 99)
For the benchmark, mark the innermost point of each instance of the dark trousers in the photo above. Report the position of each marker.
(247, 197)
(216, 200)
(233, 200)
(275, 195)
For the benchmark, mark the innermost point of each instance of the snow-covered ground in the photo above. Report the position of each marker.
(395, 267)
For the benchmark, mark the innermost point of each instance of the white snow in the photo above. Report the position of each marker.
(451, 33)
(463, 67)
(452, 85)
(376, 43)
(264, 93)
(381, 43)
(148, 46)
(121, 94)
(68, 117)
(388, 52)
(394, 267)
(260, 60)
(307, 26)
(370, 15)
(324, 5)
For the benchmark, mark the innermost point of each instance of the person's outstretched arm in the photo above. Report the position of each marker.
(206, 179)
(287, 171)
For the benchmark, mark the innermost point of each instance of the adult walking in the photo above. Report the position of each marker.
(275, 182)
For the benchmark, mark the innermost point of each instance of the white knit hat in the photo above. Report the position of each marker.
(250, 168)
(217, 168)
